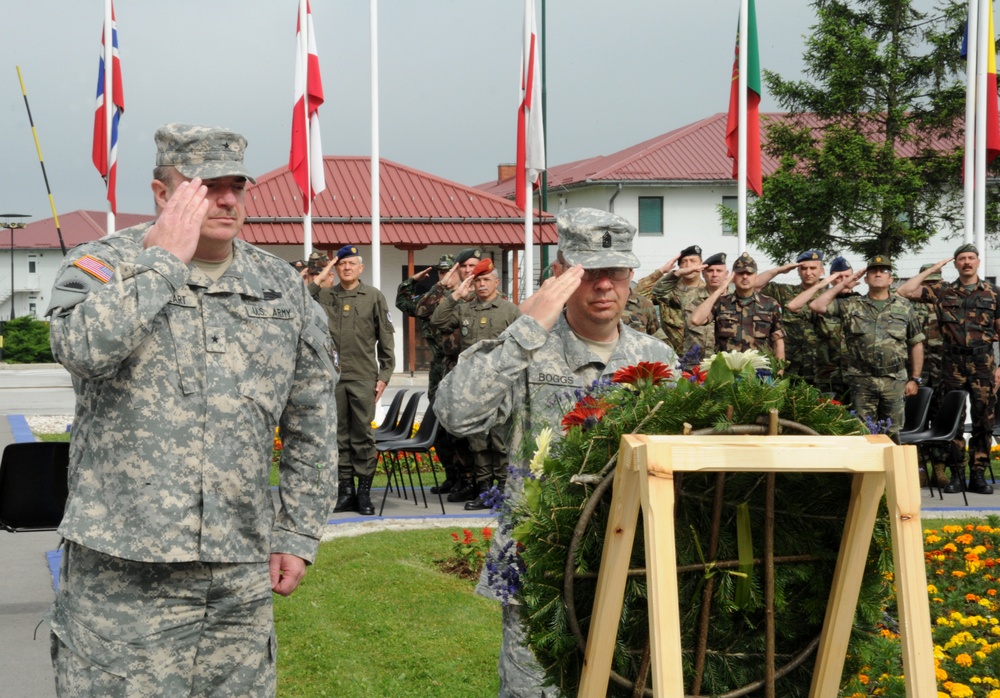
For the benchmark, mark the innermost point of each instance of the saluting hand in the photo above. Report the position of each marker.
(178, 226)
(450, 278)
(463, 288)
(546, 304)
(422, 274)
(326, 278)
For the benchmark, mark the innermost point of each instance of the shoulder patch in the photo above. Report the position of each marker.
(95, 267)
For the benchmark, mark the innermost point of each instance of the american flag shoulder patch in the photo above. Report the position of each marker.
(95, 267)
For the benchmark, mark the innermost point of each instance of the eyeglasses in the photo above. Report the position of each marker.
(613, 274)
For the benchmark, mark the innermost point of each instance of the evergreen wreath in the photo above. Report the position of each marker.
(565, 506)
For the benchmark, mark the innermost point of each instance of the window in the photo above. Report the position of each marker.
(33, 309)
(650, 215)
(730, 202)
(31, 264)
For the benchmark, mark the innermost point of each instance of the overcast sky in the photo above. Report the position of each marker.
(618, 73)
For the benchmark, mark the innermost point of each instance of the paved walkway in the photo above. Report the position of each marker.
(26, 587)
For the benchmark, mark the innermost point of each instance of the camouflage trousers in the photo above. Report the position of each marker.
(880, 399)
(974, 375)
(355, 440)
(435, 373)
(521, 675)
(124, 628)
(490, 455)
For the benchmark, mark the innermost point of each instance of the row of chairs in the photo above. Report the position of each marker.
(946, 426)
(395, 446)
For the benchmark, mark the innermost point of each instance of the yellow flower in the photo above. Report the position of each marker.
(941, 674)
(543, 443)
(963, 660)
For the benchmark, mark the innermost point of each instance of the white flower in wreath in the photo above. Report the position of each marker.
(542, 444)
(738, 360)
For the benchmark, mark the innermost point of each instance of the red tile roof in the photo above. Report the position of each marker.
(692, 153)
(77, 228)
(417, 209)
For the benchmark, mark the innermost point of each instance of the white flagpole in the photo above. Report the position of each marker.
(971, 32)
(741, 181)
(303, 58)
(376, 207)
(108, 101)
(529, 196)
(981, 67)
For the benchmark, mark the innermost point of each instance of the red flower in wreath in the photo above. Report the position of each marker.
(695, 375)
(643, 374)
(586, 413)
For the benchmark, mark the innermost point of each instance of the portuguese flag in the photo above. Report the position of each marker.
(753, 106)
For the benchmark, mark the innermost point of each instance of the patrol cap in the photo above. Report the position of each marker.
(201, 151)
(467, 254)
(967, 247)
(936, 276)
(691, 251)
(745, 263)
(595, 239)
(484, 267)
(445, 262)
(318, 261)
(717, 258)
(879, 260)
(810, 256)
(347, 251)
(299, 264)
(839, 264)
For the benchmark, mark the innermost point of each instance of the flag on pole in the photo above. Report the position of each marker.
(753, 107)
(105, 158)
(530, 139)
(306, 156)
(992, 113)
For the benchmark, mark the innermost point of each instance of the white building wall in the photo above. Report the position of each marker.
(29, 289)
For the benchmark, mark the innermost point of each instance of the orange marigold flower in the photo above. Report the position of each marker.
(964, 539)
(971, 597)
(963, 660)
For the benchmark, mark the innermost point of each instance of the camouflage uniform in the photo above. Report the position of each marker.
(675, 300)
(406, 301)
(524, 381)
(747, 323)
(969, 321)
(180, 383)
(831, 355)
(801, 339)
(477, 321)
(878, 335)
(702, 336)
(640, 314)
(361, 327)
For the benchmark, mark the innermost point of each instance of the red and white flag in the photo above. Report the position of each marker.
(530, 139)
(105, 158)
(306, 161)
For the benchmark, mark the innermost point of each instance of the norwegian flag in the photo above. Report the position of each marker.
(105, 158)
(307, 167)
(530, 139)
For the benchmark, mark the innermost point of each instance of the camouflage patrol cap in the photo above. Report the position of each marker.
(936, 276)
(810, 256)
(717, 258)
(595, 239)
(317, 261)
(445, 262)
(839, 264)
(201, 151)
(879, 260)
(967, 247)
(745, 263)
(691, 251)
(467, 254)
(484, 267)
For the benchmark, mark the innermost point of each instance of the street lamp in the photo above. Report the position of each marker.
(12, 225)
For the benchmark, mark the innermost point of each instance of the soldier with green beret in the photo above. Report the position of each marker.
(968, 312)
(881, 331)
(361, 327)
(187, 347)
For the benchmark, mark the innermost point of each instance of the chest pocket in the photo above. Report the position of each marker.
(727, 322)
(950, 311)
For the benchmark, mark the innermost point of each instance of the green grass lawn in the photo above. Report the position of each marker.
(376, 617)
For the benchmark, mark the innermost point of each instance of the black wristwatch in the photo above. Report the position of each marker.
(917, 379)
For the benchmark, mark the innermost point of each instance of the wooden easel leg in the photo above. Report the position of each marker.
(866, 493)
(610, 594)
(903, 498)
(662, 585)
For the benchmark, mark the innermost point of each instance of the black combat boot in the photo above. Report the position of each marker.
(365, 507)
(957, 483)
(478, 503)
(978, 484)
(464, 492)
(346, 501)
(450, 478)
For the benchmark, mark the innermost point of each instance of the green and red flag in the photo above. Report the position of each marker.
(753, 106)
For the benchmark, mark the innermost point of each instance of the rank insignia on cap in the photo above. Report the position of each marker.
(95, 267)
(606, 241)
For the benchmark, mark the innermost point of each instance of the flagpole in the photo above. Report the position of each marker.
(529, 197)
(980, 178)
(109, 100)
(971, 36)
(303, 59)
(376, 204)
(741, 179)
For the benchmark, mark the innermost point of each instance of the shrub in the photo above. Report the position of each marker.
(26, 341)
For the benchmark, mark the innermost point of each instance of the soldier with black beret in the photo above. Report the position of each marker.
(675, 290)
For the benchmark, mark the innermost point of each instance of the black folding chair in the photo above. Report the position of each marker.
(33, 486)
(945, 427)
(404, 425)
(391, 415)
(917, 408)
(421, 442)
